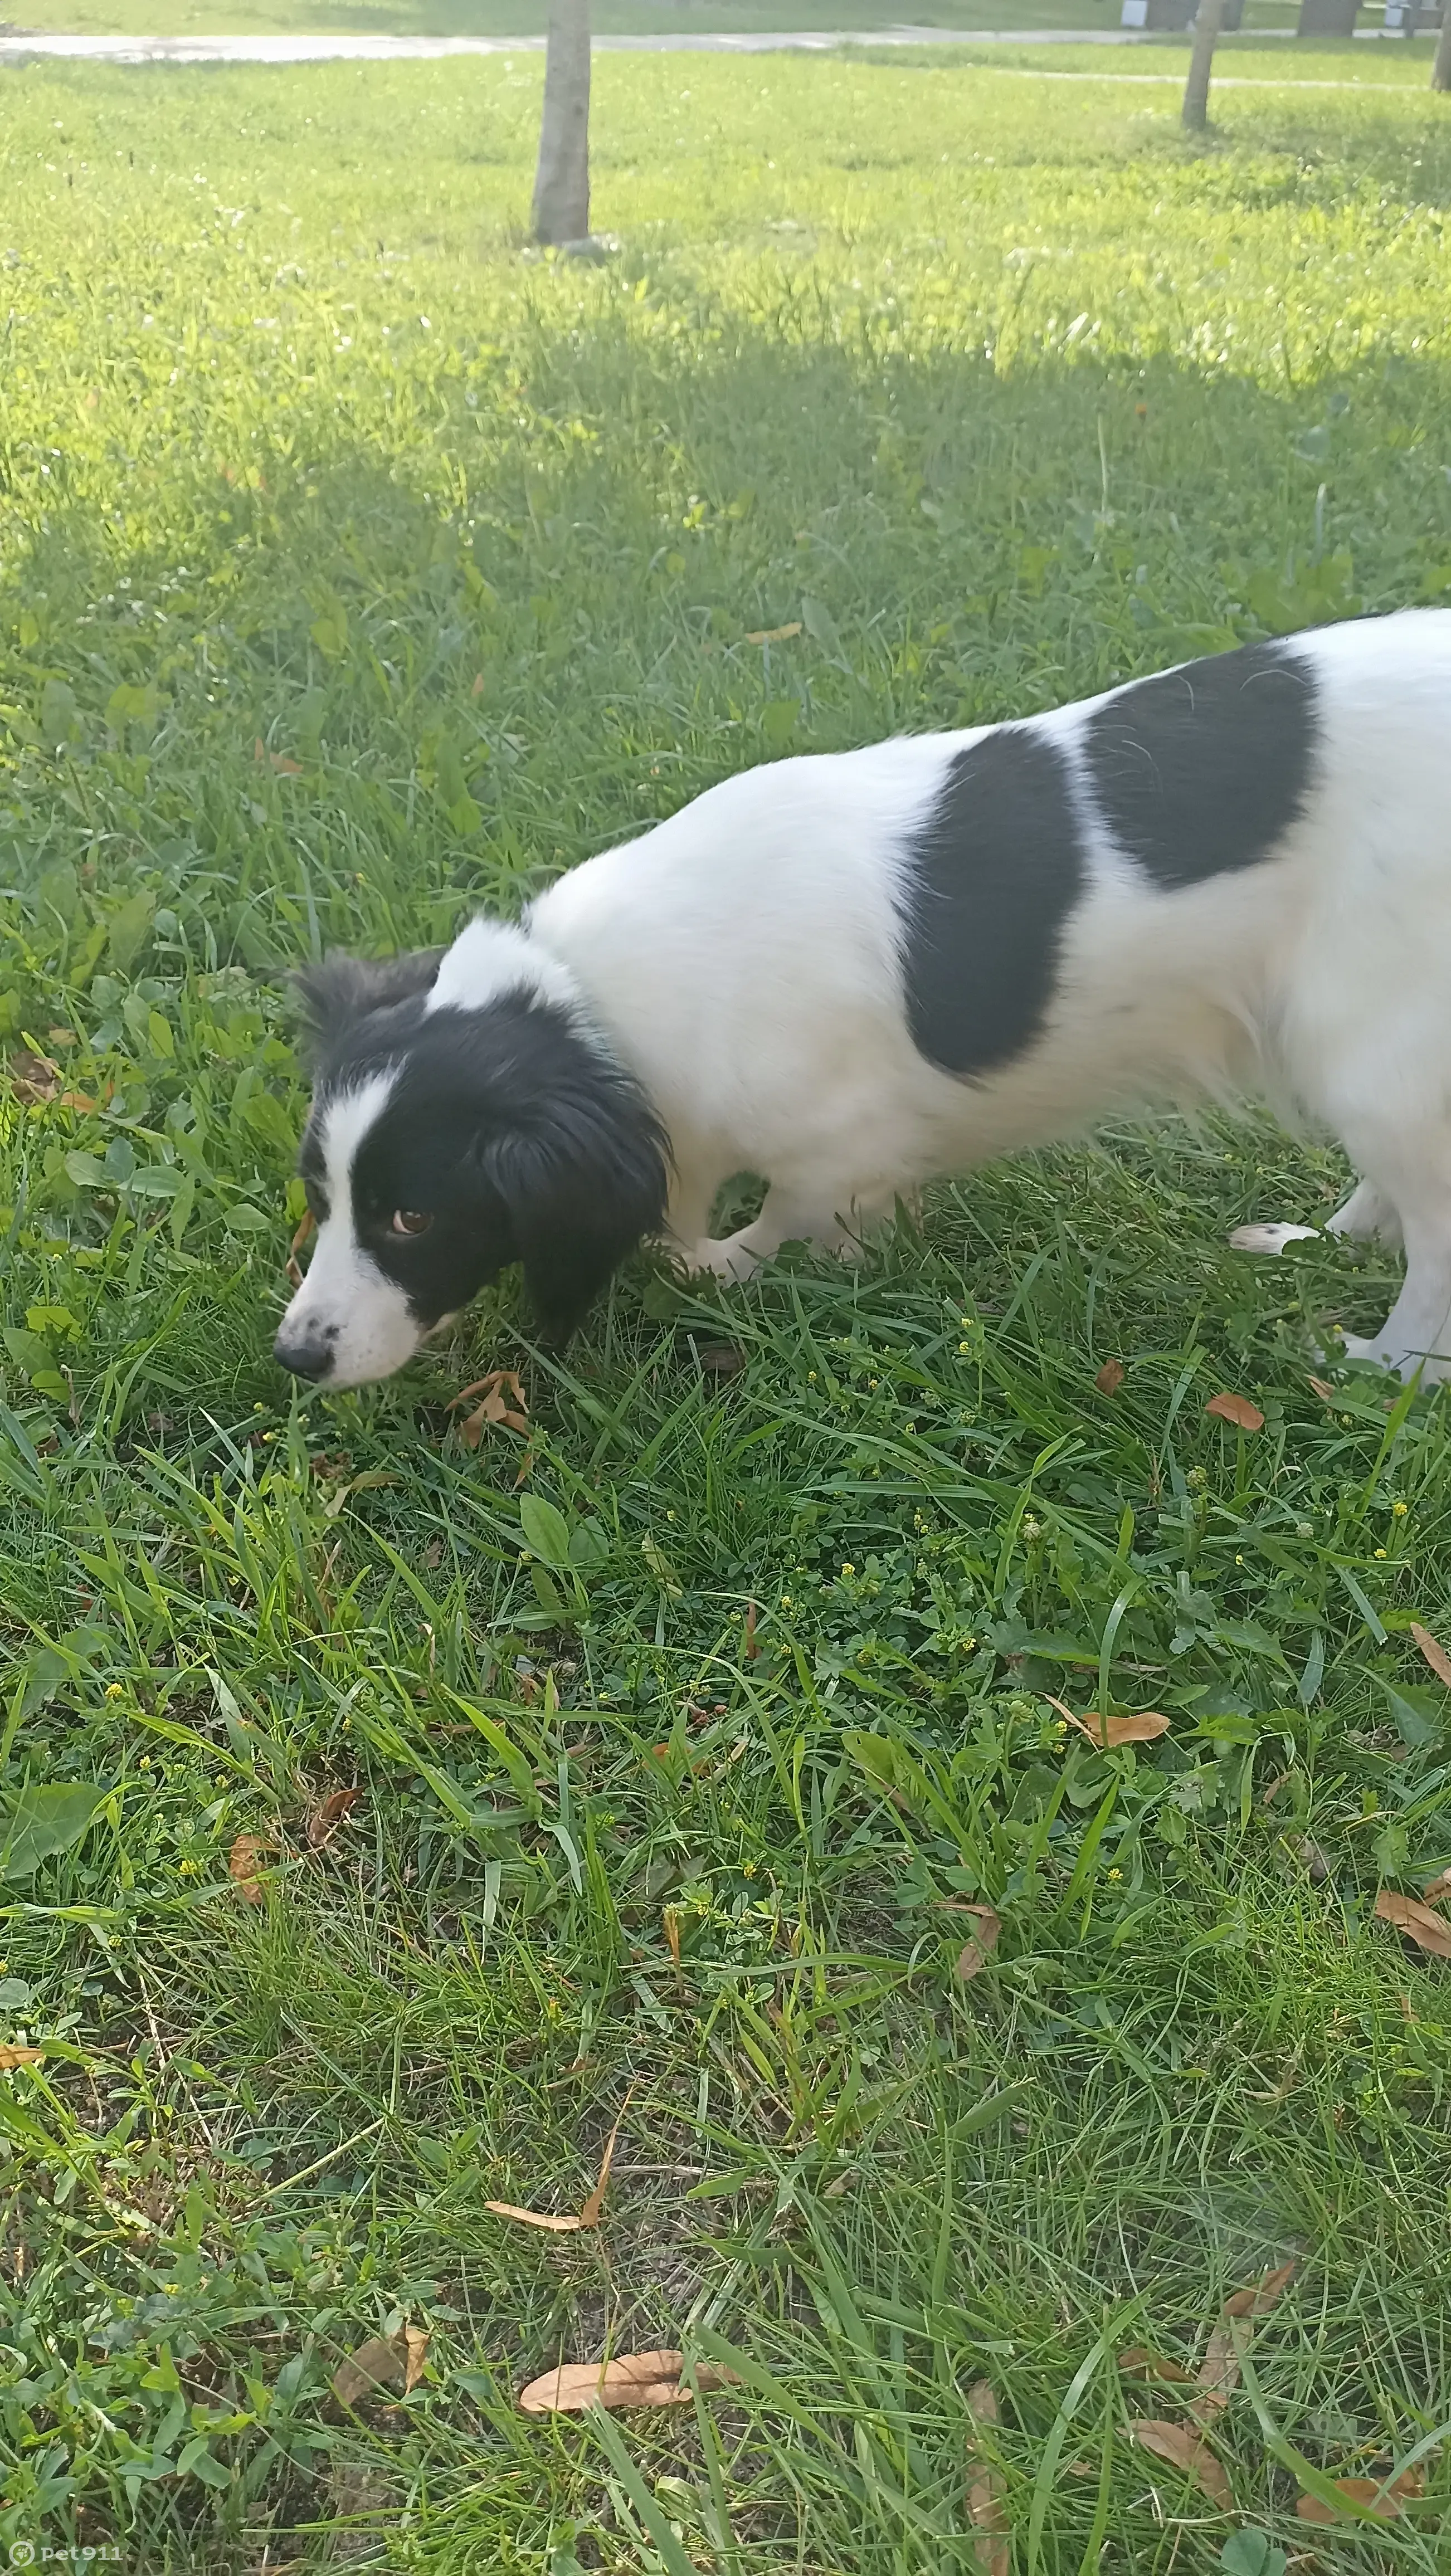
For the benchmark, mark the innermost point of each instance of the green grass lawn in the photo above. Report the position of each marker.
(356, 567)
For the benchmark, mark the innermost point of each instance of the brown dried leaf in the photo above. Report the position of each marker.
(1439, 1889)
(1417, 1921)
(1318, 1386)
(307, 1229)
(985, 2494)
(632, 2379)
(1152, 2365)
(381, 2362)
(12, 2055)
(1219, 2371)
(534, 2218)
(592, 2211)
(1236, 1409)
(975, 1954)
(1106, 1732)
(1189, 2452)
(246, 1852)
(33, 1078)
(416, 2341)
(749, 1648)
(504, 1401)
(276, 760)
(670, 1925)
(1435, 1654)
(590, 2215)
(1110, 1377)
(1385, 2504)
(328, 1814)
(774, 634)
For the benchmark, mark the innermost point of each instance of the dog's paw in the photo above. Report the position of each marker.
(730, 1256)
(1270, 1238)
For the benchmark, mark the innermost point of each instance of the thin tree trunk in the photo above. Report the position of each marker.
(1196, 88)
(1441, 67)
(561, 183)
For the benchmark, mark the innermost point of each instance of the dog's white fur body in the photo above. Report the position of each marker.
(744, 961)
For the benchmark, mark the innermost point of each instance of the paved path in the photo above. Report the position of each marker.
(429, 49)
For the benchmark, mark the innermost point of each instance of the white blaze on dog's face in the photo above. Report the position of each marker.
(349, 1322)
(447, 1139)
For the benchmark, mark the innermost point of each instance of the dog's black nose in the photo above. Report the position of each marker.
(303, 1359)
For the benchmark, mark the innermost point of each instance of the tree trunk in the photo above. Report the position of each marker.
(561, 183)
(1441, 67)
(1196, 88)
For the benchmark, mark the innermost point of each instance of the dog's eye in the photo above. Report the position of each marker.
(409, 1221)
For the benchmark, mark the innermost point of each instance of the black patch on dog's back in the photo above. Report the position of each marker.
(1203, 770)
(994, 873)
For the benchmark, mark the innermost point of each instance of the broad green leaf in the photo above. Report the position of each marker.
(546, 1531)
(44, 1820)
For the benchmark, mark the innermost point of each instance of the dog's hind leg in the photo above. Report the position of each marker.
(1368, 1216)
(1417, 1332)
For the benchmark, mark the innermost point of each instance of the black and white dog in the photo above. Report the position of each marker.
(853, 974)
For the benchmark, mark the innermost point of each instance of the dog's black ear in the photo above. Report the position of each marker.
(582, 1185)
(340, 990)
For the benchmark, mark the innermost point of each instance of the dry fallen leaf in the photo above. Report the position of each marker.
(1236, 1409)
(416, 2341)
(1435, 1654)
(976, 1953)
(381, 2362)
(1189, 2452)
(985, 2495)
(504, 1401)
(33, 1078)
(1385, 2503)
(592, 2211)
(12, 2055)
(1110, 1377)
(1152, 2365)
(328, 1814)
(1219, 2371)
(1318, 1386)
(670, 1925)
(1417, 1921)
(246, 1852)
(632, 2379)
(1106, 1732)
(749, 1648)
(1438, 1889)
(774, 634)
(277, 760)
(307, 1228)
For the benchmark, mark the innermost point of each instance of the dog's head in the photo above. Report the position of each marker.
(463, 1117)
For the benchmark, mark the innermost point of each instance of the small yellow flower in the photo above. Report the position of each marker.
(190, 1869)
(785, 1600)
(748, 1869)
(1115, 1873)
(114, 1690)
(1380, 1552)
(1239, 1560)
(1399, 1510)
(848, 1569)
(172, 2289)
(145, 1762)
